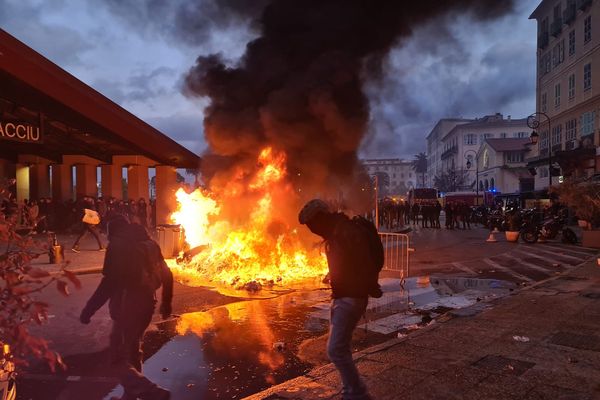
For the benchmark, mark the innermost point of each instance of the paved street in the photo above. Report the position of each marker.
(439, 253)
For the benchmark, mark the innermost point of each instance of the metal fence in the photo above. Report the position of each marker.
(397, 251)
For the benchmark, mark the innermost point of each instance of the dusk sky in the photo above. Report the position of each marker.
(134, 53)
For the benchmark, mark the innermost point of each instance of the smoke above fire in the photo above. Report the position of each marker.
(299, 87)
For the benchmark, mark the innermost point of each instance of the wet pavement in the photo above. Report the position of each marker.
(237, 347)
(235, 350)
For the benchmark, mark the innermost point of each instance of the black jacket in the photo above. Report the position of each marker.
(127, 254)
(348, 256)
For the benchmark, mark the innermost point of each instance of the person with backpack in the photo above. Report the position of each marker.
(354, 257)
(133, 270)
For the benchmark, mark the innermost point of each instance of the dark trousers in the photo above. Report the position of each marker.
(125, 344)
(88, 228)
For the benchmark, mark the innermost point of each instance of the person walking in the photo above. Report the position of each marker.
(133, 270)
(89, 220)
(349, 252)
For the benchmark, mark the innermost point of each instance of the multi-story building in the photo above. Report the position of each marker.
(567, 89)
(396, 176)
(458, 147)
(435, 147)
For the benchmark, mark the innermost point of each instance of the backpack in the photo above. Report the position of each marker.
(376, 253)
(151, 264)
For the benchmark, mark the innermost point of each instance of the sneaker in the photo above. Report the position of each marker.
(75, 249)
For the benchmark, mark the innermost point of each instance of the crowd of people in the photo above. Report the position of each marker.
(396, 215)
(47, 214)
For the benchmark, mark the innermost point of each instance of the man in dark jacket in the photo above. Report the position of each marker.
(347, 257)
(133, 270)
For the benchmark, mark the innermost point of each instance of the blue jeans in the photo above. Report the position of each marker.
(345, 314)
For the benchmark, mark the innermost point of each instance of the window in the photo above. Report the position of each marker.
(587, 29)
(587, 123)
(514, 157)
(544, 102)
(488, 135)
(571, 86)
(520, 134)
(544, 140)
(503, 135)
(572, 42)
(544, 172)
(558, 53)
(556, 135)
(571, 129)
(557, 95)
(587, 76)
(470, 139)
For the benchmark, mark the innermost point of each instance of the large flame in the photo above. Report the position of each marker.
(259, 246)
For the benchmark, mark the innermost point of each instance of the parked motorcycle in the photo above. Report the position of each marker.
(533, 230)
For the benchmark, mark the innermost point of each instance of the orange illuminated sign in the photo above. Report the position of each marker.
(20, 132)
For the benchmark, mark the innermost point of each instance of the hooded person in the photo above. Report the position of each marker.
(347, 257)
(133, 270)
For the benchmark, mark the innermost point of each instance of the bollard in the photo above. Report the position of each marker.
(56, 252)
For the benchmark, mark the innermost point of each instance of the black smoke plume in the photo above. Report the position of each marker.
(299, 86)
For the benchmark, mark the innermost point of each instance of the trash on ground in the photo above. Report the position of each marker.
(523, 339)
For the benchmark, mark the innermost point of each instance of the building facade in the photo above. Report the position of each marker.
(457, 149)
(567, 89)
(501, 166)
(435, 146)
(395, 176)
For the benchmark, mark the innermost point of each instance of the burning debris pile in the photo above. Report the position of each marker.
(262, 249)
(295, 102)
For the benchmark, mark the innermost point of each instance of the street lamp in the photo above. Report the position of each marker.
(534, 123)
(476, 171)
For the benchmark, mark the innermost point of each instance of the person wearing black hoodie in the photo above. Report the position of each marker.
(348, 255)
(133, 269)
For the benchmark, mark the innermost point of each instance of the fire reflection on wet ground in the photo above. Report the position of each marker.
(238, 349)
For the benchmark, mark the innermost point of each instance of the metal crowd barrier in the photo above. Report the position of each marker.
(396, 247)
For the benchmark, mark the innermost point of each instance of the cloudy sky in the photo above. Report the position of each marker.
(133, 53)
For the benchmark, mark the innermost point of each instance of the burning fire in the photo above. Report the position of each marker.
(258, 247)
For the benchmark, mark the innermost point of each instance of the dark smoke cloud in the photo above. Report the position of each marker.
(300, 85)
(453, 66)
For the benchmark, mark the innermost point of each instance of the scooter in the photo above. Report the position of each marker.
(8, 387)
(548, 229)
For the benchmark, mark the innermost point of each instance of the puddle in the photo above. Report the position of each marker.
(238, 349)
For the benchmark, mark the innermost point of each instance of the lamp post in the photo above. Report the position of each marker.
(533, 122)
(466, 153)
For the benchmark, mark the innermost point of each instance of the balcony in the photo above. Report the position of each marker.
(543, 40)
(450, 152)
(571, 145)
(583, 4)
(569, 14)
(556, 27)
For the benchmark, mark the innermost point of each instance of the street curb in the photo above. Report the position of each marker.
(318, 372)
(80, 271)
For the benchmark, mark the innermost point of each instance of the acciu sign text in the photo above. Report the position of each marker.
(20, 132)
